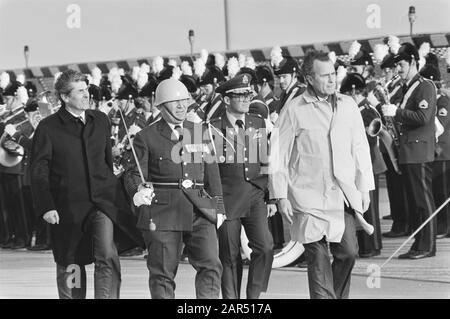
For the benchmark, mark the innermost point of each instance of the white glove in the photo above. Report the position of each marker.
(51, 217)
(389, 109)
(273, 117)
(10, 129)
(220, 219)
(134, 129)
(143, 197)
(193, 117)
(372, 99)
(103, 107)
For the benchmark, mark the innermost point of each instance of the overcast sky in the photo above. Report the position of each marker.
(98, 30)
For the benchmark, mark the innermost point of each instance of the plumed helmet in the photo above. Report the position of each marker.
(170, 90)
(353, 81)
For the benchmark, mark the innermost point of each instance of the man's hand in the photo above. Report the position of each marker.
(285, 207)
(10, 129)
(365, 201)
(389, 109)
(51, 217)
(271, 210)
(220, 219)
(144, 196)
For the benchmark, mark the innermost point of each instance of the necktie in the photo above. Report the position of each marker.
(404, 88)
(80, 120)
(240, 124)
(180, 132)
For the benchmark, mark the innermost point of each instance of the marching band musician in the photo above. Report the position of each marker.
(187, 204)
(288, 72)
(38, 228)
(211, 104)
(395, 182)
(354, 85)
(244, 184)
(416, 115)
(441, 168)
(11, 173)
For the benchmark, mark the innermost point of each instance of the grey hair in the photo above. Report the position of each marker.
(310, 57)
(62, 84)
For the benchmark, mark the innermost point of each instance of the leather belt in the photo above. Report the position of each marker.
(182, 183)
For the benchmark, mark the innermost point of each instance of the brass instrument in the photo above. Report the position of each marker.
(11, 153)
(382, 95)
(375, 127)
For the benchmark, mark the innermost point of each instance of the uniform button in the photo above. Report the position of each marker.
(231, 132)
(246, 169)
(247, 178)
(245, 159)
(160, 158)
(401, 133)
(156, 200)
(417, 141)
(184, 163)
(182, 152)
(186, 174)
(333, 188)
(245, 148)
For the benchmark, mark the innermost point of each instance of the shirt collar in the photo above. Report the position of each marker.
(233, 118)
(82, 115)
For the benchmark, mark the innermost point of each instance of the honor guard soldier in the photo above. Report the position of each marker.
(187, 203)
(287, 72)
(244, 183)
(441, 168)
(12, 167)
(354, 85)
(416, 115)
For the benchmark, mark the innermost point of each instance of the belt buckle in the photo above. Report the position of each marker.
(187, 183)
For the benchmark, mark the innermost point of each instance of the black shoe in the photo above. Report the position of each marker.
(19, 244)
(387, 217)
(368, 254)
(407, 255)
(39, 247)
(137, 251)
(393, 234)
(8, 244)
(441, 236)
(422, 254)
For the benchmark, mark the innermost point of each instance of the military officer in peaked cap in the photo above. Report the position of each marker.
(416, 147)
(241, 143)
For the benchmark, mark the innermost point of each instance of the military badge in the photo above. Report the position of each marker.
(442, 112)
(423, 104)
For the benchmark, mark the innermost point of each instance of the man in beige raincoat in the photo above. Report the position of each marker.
(321, 175)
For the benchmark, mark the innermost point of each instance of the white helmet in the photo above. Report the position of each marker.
(170, 90)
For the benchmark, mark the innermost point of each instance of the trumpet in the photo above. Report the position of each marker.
(382, 95)
(375, 127)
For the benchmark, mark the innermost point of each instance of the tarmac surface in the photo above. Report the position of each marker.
(30, 275)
